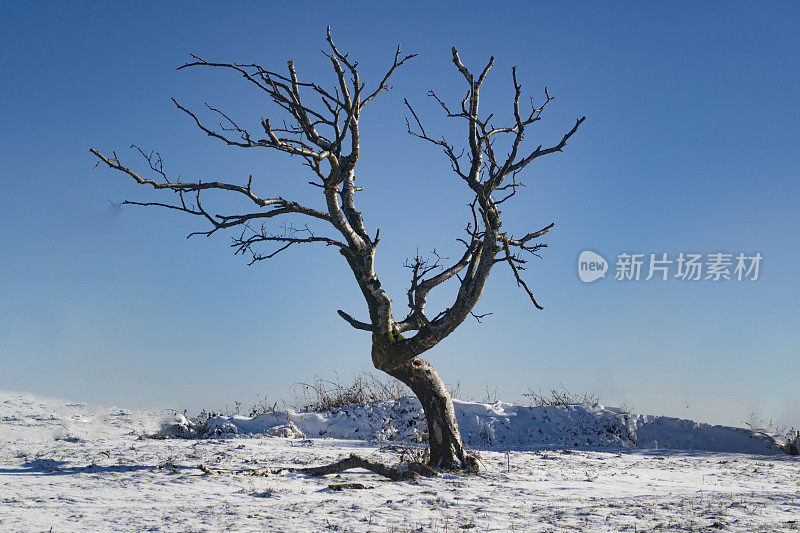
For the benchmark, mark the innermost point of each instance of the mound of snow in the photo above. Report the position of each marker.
(500, 426)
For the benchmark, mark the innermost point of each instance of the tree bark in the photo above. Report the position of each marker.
(444, 437)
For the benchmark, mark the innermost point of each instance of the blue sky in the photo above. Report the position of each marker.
(690, 145)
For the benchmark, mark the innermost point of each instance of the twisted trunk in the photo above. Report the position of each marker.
(444, 437)
(397, 356)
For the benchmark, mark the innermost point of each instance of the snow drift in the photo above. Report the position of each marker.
(492, 426)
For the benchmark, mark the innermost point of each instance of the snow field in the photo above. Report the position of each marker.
(71, 467)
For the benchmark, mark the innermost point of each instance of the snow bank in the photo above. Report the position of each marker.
(492, 426)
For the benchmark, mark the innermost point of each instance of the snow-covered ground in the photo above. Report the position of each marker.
(71, 467)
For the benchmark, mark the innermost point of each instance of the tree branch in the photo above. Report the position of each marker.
(382, 85)
(353, 322)
(278, 206)
(486, 175)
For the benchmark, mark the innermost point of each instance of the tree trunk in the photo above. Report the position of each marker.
(444, 437)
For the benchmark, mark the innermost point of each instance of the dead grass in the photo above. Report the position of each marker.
(559, 396)
(263, 406)
(365, 387)
(415, 454)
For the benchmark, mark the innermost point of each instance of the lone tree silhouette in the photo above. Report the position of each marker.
(327, 137)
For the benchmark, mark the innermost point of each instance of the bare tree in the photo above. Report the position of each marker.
(326, 136)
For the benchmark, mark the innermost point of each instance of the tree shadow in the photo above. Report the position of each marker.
(60, 468)
(646, 452)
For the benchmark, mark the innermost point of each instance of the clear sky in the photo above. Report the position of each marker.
(690, 145)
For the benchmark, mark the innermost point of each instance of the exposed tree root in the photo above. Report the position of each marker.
(395, 474)
(422, 469)
(342, 486)
(354, 461)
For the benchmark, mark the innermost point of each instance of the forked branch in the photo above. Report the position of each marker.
(487, 174)
(316, 133)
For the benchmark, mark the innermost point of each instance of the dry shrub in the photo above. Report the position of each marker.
(415, 454)
(559, 396)
(262, 406)
(366, 387)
